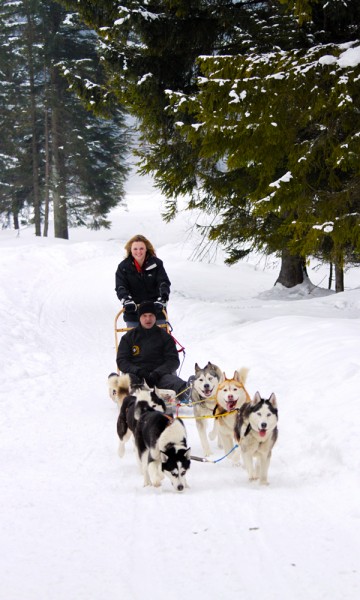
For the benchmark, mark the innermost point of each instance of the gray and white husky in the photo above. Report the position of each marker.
(161, 444)
(256, 433)
(203, 398)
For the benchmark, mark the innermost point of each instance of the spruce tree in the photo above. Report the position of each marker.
(16, 185)
(56, 151)
(232, 111)
(148, 50)
(289, 122)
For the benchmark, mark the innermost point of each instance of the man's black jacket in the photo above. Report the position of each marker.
(150, 349)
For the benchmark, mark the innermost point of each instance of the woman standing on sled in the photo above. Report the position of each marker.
(139, 277)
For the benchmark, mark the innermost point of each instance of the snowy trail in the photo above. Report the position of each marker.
(79, 525)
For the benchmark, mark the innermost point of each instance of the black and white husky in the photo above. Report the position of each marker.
(161, 444)
(203, 398)
(256, 433)
(140, 399)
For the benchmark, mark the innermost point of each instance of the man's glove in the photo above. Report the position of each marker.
(142, 374)
(164, 297)
(129, 304)
(135, 379)
(153, 379)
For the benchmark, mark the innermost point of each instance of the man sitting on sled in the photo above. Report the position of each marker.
(147, 352)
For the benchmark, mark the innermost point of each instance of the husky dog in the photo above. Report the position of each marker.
(231, 395)
(256, 432)
(162, 449)
(141, 399)
(119, 387)
(203, 398)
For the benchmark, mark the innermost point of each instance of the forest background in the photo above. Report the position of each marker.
(247, 109)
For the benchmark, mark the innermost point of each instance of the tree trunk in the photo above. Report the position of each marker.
(330, 276)
(34, 143)
(292, 271)
(339, 278)
(58, 165)
(47, 158)
(15, 214)
(339, 270)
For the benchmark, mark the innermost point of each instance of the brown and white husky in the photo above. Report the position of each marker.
(231, 395)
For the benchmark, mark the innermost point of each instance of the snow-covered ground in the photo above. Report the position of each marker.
(75, 520)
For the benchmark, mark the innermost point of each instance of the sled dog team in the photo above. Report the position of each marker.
(249, 425)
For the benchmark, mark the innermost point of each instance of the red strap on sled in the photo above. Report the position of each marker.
(181, 347)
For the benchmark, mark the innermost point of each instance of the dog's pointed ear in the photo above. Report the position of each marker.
(236, 376)
(257, 398)
(197, 368)
(272, 400)
(217, 371)
(223, 377)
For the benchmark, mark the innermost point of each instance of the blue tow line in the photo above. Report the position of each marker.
(203, 459)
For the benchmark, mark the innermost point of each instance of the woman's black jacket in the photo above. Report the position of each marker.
(152, 283)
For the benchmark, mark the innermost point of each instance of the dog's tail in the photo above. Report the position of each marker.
(123, 383)
(113, 385)
(241, 375)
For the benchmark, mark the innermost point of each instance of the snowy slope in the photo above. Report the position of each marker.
(76, 523)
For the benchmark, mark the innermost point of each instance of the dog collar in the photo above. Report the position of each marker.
(247, 430)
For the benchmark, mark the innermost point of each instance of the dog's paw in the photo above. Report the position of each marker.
(147, 480)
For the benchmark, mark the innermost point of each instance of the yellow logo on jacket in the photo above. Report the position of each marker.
(135, 350)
